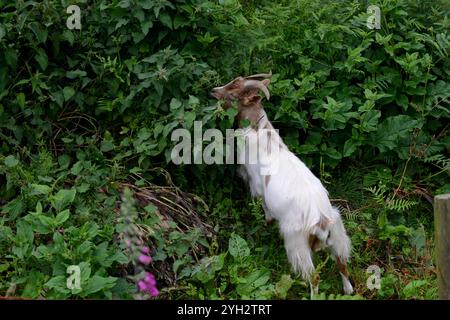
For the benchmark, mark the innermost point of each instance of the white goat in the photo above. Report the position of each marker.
(290, 192)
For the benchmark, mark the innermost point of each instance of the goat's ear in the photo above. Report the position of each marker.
(252, 88)
(248, 100)
(266, 82)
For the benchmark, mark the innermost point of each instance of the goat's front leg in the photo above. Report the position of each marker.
(314, 286)
(269, 219)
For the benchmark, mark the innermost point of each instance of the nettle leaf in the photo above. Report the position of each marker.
(350, 147)
(14, 208)
(189, 118)
(106, 146)
(23, 239)
(33, 287)
(75, 74)
(46, 221)
(85, 272)
(41, 33)
(40, 189)
(24, 233)
(333, 153)
(58, 283)
(166, 20)
(11, 161)
(63, 198)
(98, 283)
(207, 267)
(150, 208)
(413, 288)
(282, 287)
(41, 58)
(68, 92)
(68, 36)
(77, 168)
(253, 281)
(124, 3)
(20, 99)
(369, 120)
(2, 32)
(58, 97)
(104, 257)
(61, 217)
(238, 247)
(175, 104)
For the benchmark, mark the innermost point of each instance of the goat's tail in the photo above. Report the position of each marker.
(299, 252)
(338, 240)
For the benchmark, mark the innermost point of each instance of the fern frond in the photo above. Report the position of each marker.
(400, 205)
(439, 160)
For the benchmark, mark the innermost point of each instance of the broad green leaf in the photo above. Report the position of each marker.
(175, 104)
(349, 147)
(39, 30)
(282, 287)
(166, 20)
(41, 58)
(59, 283)
(24, 233)
(40, 189)
(11, 161)
(61, 217)
(21, 100)
(75, 74)
(238, 247)
(68, 93)
(207, 267)
(63, 198)
(2, 31)
(106, 146)
(47, 222)
(97, 283)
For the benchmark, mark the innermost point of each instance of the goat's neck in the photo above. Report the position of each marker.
(259, 120)
(256, 115)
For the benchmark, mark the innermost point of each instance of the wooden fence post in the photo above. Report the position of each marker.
(442, 240)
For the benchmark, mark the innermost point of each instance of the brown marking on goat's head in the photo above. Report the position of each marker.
(245, 91)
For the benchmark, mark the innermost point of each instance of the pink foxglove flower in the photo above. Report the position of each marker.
(153, 291)
(144, 259)
(150, 279)
(142, 286)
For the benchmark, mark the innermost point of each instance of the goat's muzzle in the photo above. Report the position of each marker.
(215, 93)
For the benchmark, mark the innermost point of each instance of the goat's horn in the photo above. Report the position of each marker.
(259, 85)
(260, 76)
(229, 83)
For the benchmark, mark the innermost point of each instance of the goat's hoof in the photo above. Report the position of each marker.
(348, 289)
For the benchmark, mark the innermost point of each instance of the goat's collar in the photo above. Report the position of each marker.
(259, 120)
(261, 123)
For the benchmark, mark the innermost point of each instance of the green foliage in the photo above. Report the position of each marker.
(235, 275)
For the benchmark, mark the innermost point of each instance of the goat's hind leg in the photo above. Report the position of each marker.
(343, 271)
(340, 247)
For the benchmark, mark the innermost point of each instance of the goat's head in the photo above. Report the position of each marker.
(243, 90)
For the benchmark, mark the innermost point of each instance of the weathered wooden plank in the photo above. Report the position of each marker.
(442, 240)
